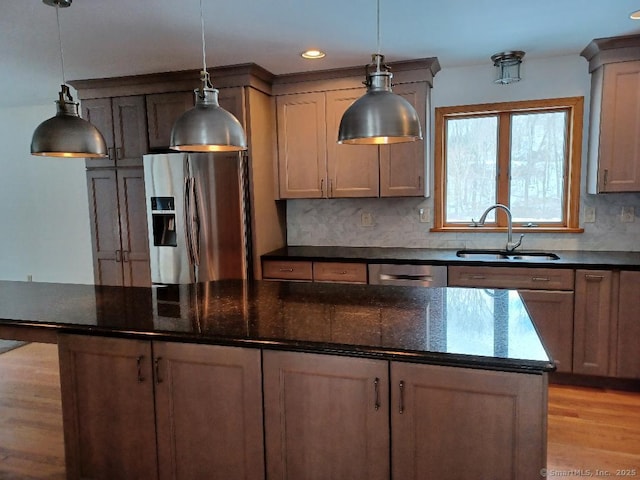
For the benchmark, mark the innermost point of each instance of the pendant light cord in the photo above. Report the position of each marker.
(64, 80)
(205, 75)
(378, 27)
(378, 54)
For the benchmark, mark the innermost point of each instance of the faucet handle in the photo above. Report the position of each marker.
(474, 223)
(512, 246)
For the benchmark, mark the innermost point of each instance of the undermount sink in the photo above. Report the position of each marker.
(504, 255)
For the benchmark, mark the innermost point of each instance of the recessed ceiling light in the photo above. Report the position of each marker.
(635, 15)
(313, 54)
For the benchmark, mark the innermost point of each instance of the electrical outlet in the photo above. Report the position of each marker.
(366, 219)
(425, 215)
(589, 214)
(628, 215)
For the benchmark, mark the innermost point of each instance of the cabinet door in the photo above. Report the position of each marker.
(133, 228)
(452, 423)
(326, 417)
(628, 353)
(552, 314)
(353, 169)
(107, 406)
(208, 412)
(98, 112)
(105, 227)
(403, 165)
(302, 149)
(163, 109)
(619, 152)
(592, 319)
(129, 130)
(232, 100)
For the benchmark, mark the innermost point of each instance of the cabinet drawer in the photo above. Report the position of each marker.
(287, 270)
(512, 277)
(340, 272)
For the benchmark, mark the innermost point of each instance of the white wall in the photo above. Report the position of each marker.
(43, 204)
(396, 221)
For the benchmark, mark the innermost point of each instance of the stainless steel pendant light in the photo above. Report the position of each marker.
(379, 116)
(207, 127)
(66, 134)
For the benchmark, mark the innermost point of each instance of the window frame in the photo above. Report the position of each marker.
(574, 106)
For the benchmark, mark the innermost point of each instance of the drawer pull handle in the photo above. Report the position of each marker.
(341, 272)
(376, 386)
(401, 386)
(289, 270)
(539, 279)
(157, 366)
(477, 277)
(422, 278)
(139, 367)
(595, 278)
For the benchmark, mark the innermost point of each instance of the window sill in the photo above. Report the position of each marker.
(468, 229)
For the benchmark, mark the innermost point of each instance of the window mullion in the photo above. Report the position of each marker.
(504, 171)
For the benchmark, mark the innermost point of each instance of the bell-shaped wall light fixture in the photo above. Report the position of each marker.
(207, 127)
(379, 116)
(66, 134)
(508, 66)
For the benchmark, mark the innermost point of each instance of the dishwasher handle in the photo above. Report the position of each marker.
(411, 278)
(408, 275)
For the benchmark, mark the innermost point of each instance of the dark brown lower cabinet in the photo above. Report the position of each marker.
(154, 410)
(456, 423)
(628, 353)
(592, 322)
(107, 408)
(329, 417)
(552, 314)
(326, 417)
(119, 234)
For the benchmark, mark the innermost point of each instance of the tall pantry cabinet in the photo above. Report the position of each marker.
(115, 185)
(135, 114)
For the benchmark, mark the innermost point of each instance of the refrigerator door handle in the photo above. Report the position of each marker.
(191, 221)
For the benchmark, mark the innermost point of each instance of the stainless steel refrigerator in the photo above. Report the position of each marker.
(196, 213)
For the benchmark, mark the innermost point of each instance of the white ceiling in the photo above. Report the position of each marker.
(106, 38)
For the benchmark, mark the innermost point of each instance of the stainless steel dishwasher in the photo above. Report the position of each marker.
(411, 275)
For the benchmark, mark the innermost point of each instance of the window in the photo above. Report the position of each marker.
(525, 155)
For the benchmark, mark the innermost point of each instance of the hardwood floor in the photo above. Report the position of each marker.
(591, 431)
(31, 440)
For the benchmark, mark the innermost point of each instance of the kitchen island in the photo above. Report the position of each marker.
(291, 380)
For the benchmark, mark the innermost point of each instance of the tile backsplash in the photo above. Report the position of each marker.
(395, 222)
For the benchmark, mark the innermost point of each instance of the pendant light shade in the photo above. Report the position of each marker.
(380, 116)
(207, 127)
(66, 134)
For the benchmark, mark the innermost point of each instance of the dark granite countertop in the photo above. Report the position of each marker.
(474, 328)
(568, 259)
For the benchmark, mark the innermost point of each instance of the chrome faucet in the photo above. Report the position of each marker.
(511, 245)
